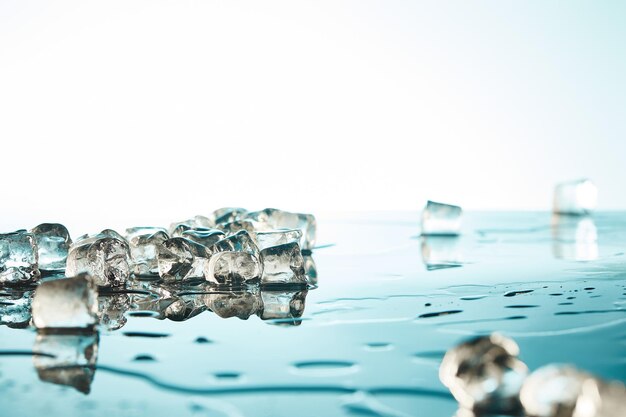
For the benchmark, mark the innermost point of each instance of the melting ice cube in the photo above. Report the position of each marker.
(66, 303)
(575, 197)
(484, 374)
(105, 256)
(53, 243)
(181, 259)
(67, 359)
(278, 219)
(18, 258)
(144, 243)
(441, 219)
(283, 264)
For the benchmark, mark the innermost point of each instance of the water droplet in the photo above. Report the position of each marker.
(145, 334)
(202, 340)
(324, 368)
(378, 347)
(439, 313)
(144, 358)
(514, 293)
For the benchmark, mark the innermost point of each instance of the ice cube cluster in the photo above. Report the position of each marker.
(486, 377)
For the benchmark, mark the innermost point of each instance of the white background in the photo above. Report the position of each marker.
(152, 110)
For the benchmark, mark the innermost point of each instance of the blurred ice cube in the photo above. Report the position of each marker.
(440, 252)
(283, 264)
(66, 359)
(181, 260)
(484, 374)
(105, 256)
(66, 303)
(234, 304)
(18, 258)
(144, 243)
(53, 243)
(441, 219)
(283, 304)
(278, 219)
(601, 399)
(196, 222)
(574, 238)
(15, 306)
(575, 197)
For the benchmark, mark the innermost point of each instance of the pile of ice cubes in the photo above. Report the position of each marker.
(486, 377)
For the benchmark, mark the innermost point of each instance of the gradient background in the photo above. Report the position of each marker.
(152, 110)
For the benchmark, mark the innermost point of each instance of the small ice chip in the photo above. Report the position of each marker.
(66, 303)
(283, 265)
(575, 197)
(181, 260)
(53, 243)
(105, 256)
(441, 219)
(484, 374)
(144, 243)
(67, 359)
(18, 258)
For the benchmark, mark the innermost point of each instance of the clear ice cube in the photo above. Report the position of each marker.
(144, 243)
(66, 359)
(484, 374)
(283, 264)
(181, 260)
(249, 226)
(270, 238)
(53, 243)
(112, 310)
(203, 236)
(15, 307)
(185, 307)
(18, 258)
(195, 223)
(66, 303)
(441, 219)
(552, 391)
(232, 268)
(227, 215)
(278, 219)
(105, 256)
(234, 304)
(241, 241)
(283, 305)
(575, 197)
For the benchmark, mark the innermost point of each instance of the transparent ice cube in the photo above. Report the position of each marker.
(112, 310)
(270, 238)
(227, 215)
(234, 304)
(15, 306)
(185, 307)
(232, 268)
(196, 222)
(66, 303)
(241, 241)
(203, 236)
(441, 219)
(53, 243)
(67, 359)
(484, 374)
(285, 305)
(144, 243)
(278, 219)
(18, 258)
(575, 197)
(283, 264)
(105, 256)
(181, 260)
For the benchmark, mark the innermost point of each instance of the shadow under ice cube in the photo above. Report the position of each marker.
(18, 258)
(53, 243)
(66, 303)
(441, 219)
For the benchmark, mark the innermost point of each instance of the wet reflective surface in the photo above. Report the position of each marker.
(367, 341)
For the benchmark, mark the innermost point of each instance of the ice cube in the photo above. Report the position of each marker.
(227, 215)
(249, 226)
(234, 304)
(15, 308)
(574, 238)
(105, 256)
(196, 222)
(232, 268)
(270, 238)
(144, 243)
(112, 310)
(241, 241)
(278, 219)
(283, 264)
(66, 303)
(484, 374)
(18, 258)
(67, 359)
(53, 243)
(203, 236)
(185, 307)
(181, 260)
(575, 197)
(158, 299)
(440, 252)
(284, 305)
(310, 269)
(552, 391)
(601, 399)
(441, 219)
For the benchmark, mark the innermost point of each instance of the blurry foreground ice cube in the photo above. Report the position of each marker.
(66, 303)
(283, 305)
(144, 243)
(484, 374)
(241, 304)
(441, 219)
(67, 359)
(574, 238)
(53, 243)
(575, 197)
(18, 258)
(181, 260)
(283, 265)
(278, 219)
(601, 399)
(105, 256)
